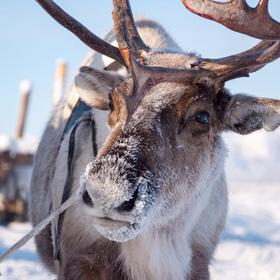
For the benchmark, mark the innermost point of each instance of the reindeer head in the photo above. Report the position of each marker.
(166, 116)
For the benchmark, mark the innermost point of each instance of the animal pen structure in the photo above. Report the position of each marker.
(17, 153)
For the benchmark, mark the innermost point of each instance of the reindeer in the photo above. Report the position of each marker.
(155, 199)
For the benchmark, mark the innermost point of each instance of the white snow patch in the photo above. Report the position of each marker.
(25, 86)
(25, 263)
(27, 145)
(250, 249)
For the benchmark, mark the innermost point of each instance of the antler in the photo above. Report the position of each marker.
(235, 14)
(127, 35)
(143, 76)
(129, 53)
(242, 64)
(238, 16)
(81, 31)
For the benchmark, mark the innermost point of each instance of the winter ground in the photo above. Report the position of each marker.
(250, 247)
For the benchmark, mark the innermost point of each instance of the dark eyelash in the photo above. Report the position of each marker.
(111, 106)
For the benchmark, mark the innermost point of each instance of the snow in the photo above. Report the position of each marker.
(25, 86)
(24, 264)
(250, 246)
(27, 145)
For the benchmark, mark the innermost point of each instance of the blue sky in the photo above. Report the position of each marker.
(31, 42)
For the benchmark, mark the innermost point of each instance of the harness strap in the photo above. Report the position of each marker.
(93, 138)
(66, 190)
(79, 115)
(69, 182)
(79, 111)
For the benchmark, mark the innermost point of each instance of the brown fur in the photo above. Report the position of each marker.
(200, 263)
(98, 263)
(45, 248)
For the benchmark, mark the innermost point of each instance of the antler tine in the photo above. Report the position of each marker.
(81, 31)
(128, 38)
(238, 16)
(263, 6)
(244, 63)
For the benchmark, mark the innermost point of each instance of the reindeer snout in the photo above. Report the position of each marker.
(125, 206)
(128, 205)
(112, 188)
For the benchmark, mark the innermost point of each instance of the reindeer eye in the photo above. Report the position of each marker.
(202, 117)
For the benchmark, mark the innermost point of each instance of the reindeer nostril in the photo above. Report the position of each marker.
(127, 206)
(87, 199)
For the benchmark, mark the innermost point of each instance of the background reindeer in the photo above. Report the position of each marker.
(156, 199)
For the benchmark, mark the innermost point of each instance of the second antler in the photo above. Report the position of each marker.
(238, 16)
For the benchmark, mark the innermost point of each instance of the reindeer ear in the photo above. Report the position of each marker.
(94, 86)
(244, 114)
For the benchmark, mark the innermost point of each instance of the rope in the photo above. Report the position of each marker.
(74, 199)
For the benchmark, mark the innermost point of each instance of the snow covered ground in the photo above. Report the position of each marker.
(250, 247)
(24, 264)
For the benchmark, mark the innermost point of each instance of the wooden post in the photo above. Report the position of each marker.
(59, 81)
(25, 91)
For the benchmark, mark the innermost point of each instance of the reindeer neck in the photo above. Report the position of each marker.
(160, 254)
